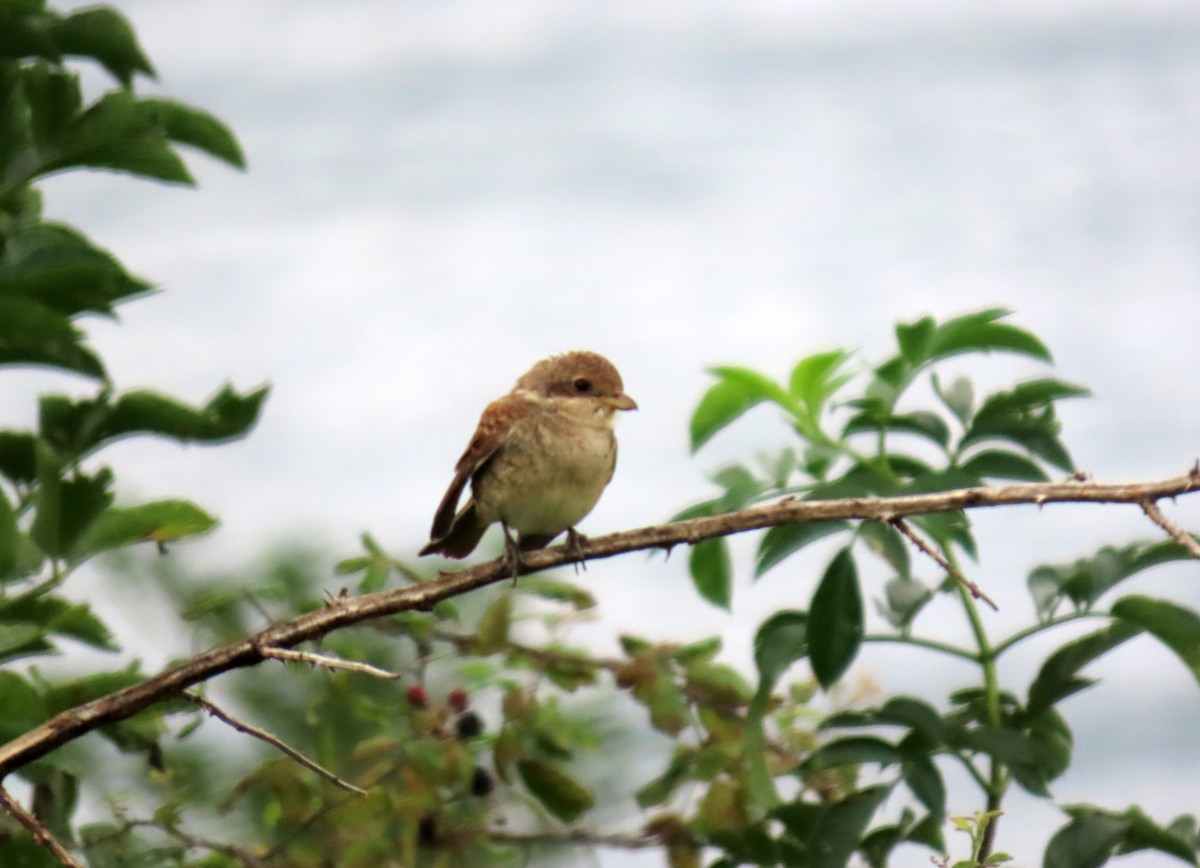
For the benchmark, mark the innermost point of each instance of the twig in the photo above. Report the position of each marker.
(291, 752)
(74, 722)
(574, 836)
(40, 833)
(328, 662)
(1177, 533)
(952, 571)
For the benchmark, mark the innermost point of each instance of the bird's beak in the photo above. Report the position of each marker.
(620, 402)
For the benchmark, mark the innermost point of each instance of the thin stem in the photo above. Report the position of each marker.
(1022, 635)
(998, 781)
(931, 644)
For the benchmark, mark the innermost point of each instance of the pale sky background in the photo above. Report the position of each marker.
(440, 193)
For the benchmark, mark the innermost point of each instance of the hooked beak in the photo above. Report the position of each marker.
(620, 402)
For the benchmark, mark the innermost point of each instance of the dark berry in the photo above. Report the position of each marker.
(481, 782)
(468, 726)
(458, 700)
(416, 696)
(427, 829)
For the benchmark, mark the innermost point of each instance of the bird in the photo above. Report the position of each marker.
(539, 460)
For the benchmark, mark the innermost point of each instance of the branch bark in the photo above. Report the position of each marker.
(345, 611)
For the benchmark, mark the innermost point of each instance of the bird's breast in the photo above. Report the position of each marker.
(548, 474)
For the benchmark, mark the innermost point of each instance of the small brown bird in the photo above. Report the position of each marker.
(540, 458)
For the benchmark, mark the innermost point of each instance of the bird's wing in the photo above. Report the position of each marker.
(497, 421)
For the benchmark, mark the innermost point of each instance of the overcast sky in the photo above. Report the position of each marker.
(441, 193)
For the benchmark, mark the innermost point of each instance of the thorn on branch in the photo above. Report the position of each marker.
(976, 592)
(272, 740)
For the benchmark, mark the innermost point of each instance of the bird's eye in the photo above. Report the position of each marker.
(582, 385)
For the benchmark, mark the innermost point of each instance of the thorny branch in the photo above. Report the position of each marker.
(345, 611)
(35, 827)
(275, 742)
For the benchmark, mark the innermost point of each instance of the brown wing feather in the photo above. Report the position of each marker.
(495, 423)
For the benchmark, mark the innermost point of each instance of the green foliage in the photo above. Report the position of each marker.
(54, 512)
(866, 433)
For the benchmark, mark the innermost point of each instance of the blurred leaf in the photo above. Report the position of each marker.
(191, 126)
(813, 380)
(780, 641)
(563, 592)
(854, 750)
(56, 266)
(982, 331)
(1087, 841)
(903, 599)
(922, 423)
(79, 427)
(717, 685)
(663, 787)
(559, 793)
(1144, 834)
(58, 616)
(491, 636)
(1085, 580)
(9, 538)
(712, 573)
(832, 832)
(925, 781)
(701, 651)
(959, 397)
(1175, 626)
(785, 539)
(18, 456)
(1058, 678)
(1030, 395)
(65, 507)
(21, 708)
(835, 626)
(102, 33)
(67, 694)
(916, 340)
(724, 402)
(162, 521)
(1002, 464)
(883, 539)
(1014, 749)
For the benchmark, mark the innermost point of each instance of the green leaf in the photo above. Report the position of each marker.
(1175, 626)
(9, 538)
(922, 423)
(104, 34)
(22, 640)
(813, 380)
(68, 694)
(1144, 834)
(563, 592)
(56, 615)
(838, 828)
(835, 626)
(21, 708)
(1087, 841)
(663, 787)
(191, 126)
(854, 750)
(701, 651)
(916, 340)
(491, 636)
(982, 332)
(18, 456)
(80, 427)
(780, 641)
(925, 781)
(885, 541)
(1031, 395)
(783, 540)
(117, 133)
(65, 507)
(1002, 464)
(1058, 676)
(959, 397)
(559, 793)
(161, 521)
(58, 267)
(903, 600)
(1085, 580)
(712, 573)
(723, 403)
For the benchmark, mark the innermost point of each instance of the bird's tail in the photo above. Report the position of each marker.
(462, 538)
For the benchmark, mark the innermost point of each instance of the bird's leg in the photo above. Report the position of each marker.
(512, 553)
(575, 542)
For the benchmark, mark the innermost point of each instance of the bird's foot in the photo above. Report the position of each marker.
(512, 554)
(575, 543)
